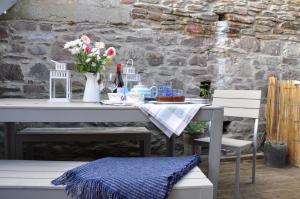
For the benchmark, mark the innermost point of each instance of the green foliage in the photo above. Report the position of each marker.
(196, 127)
(92, 64)
(204, 90)
(268, 142)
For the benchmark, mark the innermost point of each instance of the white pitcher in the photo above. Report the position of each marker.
(92, 88)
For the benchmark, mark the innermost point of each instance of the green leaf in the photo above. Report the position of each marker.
(196, 127)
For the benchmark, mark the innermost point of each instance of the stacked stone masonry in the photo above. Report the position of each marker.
(168, 40)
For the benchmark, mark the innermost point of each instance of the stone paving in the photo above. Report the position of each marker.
(271, 183)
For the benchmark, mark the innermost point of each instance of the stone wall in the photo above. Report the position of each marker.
(179, 40)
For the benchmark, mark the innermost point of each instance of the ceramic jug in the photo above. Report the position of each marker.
(92, 88)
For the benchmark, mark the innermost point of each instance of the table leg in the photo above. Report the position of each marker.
(216, 130)
(171, 145)
(10, 140)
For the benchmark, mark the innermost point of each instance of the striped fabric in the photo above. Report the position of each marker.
(126, 178)
(171, 118)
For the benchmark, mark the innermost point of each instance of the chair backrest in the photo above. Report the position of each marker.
(238, 103)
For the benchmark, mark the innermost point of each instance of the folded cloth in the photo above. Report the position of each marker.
(126, 178)
(171, 118)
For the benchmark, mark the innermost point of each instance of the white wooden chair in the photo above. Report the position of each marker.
(242, 104)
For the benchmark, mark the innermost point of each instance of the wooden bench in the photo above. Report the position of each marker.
(86, 134)
(27, 179)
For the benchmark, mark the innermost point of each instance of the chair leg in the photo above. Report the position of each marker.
(237, 174)
(194, 148)
(253, 165)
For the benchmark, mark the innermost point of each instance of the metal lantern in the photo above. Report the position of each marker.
(60, 73)
(129, 74)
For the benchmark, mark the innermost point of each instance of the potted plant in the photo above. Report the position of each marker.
(204, 90)
(193, 131)
(91, 59)
(275, 150)
(275, 154)
(196, 130)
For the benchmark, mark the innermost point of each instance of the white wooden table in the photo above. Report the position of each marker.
(39, 110)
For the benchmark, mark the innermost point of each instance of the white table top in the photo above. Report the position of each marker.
(74, 104)
(44, 103)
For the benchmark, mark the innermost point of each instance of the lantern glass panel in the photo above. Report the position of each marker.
(59, 88)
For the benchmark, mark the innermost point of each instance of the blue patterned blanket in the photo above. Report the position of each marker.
(126, 178)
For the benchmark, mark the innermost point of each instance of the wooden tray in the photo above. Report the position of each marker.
(170, 98)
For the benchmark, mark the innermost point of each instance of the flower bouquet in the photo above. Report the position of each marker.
(91, 59)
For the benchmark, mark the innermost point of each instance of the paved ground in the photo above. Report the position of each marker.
(271, 183)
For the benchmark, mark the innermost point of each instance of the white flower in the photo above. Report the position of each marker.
(74, 50)
(67, 45)
(94, 64)
(72, 44)
(78, 42)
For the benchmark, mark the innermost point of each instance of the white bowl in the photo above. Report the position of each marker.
(136, 98)
(115, 97)
(133, 98)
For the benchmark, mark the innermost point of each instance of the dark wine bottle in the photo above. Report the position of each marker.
(119, 79)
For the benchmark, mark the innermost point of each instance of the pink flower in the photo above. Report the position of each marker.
(85, 39)
(111, 52)
(99, 45)
(88, 50)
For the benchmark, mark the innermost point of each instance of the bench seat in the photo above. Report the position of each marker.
(85, 134)
(29, 179)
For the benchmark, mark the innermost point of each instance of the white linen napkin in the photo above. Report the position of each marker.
(171, 118)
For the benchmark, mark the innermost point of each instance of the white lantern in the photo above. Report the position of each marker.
(129, 74)
(60, 73)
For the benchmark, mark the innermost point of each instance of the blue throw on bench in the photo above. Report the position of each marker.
(126, 178)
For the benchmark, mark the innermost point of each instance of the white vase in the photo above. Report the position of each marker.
(92, 88)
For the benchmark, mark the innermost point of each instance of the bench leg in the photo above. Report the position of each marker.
(19, 148)
(142, 147)
(147, 145)
(10, 140)
(171, 145)
(237, 174)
